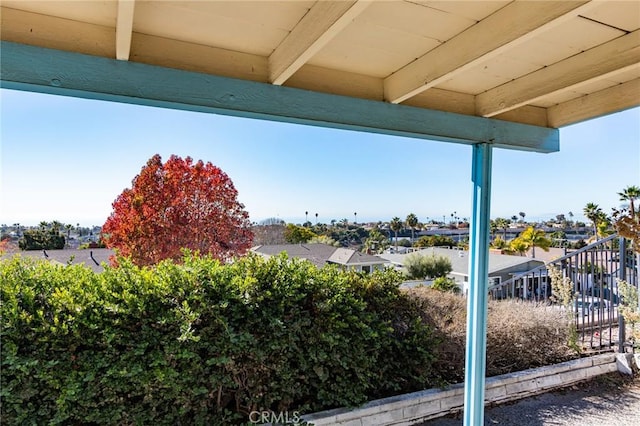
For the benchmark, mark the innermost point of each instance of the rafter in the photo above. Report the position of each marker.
(124, 28)
(622, 53)
(513, 24)
(607, 101)
(323, 22)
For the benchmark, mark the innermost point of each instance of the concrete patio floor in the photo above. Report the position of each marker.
(611, 399)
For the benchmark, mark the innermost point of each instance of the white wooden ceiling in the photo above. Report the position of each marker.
(548, 63)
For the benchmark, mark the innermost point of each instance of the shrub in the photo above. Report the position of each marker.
(499, 243)
(420, 266)
(206, 343)
(630, 312)
(404, 243)
(435, 241)
(202, 342)
(445, 284)
(520, 335)
(92, 244)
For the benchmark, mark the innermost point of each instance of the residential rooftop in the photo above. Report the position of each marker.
(94, 258)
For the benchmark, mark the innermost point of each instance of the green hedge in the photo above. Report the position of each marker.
(201, 342)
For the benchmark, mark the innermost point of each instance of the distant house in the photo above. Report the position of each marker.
(92, 258)
(324, 254)
(399, 250)
(501, 267)
(352, 259)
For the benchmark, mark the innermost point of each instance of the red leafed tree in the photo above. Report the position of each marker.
(179, 204)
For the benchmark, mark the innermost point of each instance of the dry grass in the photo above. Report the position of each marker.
(520, 335)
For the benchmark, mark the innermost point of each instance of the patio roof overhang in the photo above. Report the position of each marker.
(46, 70)
(496, 73)
(488, 63)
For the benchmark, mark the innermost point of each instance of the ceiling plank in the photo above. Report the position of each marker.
(444, 100)
(611, 57)
(169, 53)
(318, 26)
(513, 24)
(325, 80)
(43, 70)
(526, 114)
(124, 28)
(613, 99)
(56, 33)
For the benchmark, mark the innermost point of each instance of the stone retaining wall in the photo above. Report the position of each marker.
(416, 407)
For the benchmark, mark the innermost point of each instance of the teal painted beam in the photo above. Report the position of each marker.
(476, 349)
(51, 71)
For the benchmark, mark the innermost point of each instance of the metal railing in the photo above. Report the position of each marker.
(594, 271)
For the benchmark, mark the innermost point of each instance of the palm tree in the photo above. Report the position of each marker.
(522, 215)
(603, 224)
(593, 212)
(376, 242)
(630, 194)
(69, 228)
(493, 227)
(56, 227)
(396, 225)
(517, 245)
(533, 238)
(412, 222)
(502, 223)
(355, 218)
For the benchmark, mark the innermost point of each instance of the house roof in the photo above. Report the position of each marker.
(320, 254)
(460, 260)
(315, 253)
(345, 256)
(70, 256)
(488, 64)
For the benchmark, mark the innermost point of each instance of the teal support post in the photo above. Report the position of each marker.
(476, 353)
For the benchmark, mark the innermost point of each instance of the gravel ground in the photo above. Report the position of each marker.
(609, 400)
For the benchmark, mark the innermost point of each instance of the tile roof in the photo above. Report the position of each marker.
(460, 259)
(345, 256)
(92, 258)
(320, 254)
(315, 253)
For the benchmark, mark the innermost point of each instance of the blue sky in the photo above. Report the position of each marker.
(67, 159)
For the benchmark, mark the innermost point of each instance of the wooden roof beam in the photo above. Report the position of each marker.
(43, 70)
(613, 99)
(124, 28)
(621, 53)
(317, 28)
(512, 25)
